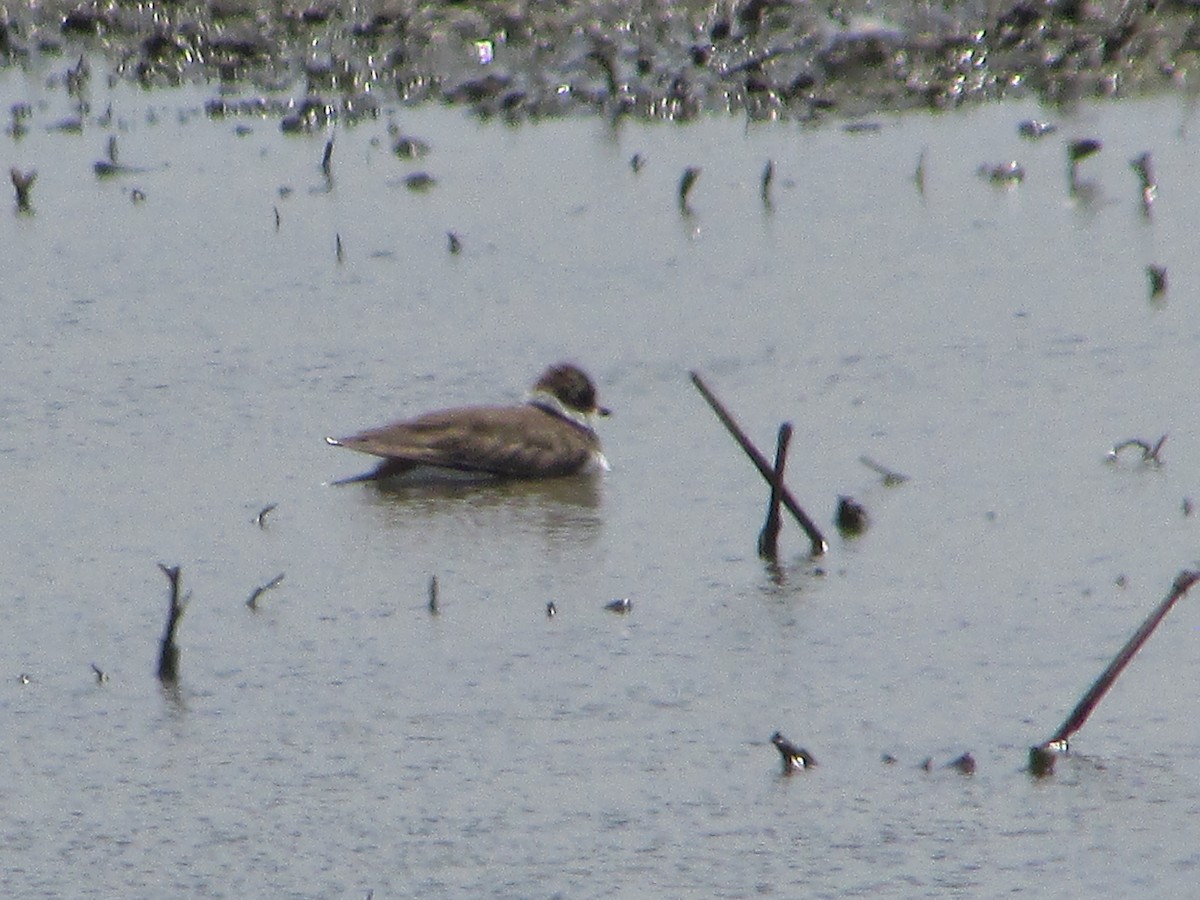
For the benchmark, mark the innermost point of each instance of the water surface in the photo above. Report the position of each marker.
(171, 365)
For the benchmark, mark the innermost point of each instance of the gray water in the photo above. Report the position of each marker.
(171, 366)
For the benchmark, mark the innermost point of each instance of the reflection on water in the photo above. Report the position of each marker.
(549, 506)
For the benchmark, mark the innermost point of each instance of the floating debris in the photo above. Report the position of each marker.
(262, 589)
(327, 159)
(890, 477)
(261, 519)
(1158, 281)
(17, 128)
(768, 176)
(851, 518)
(410, 147)
(1077, 151)
(1041, 757)
(623, 605)
(964, 764)
(1143, 166)
(795, 759)
(420, 182)
(23, 184)
(686, 182)
(107, 168)
(1005, 173)
(1080, 150)
(1034, 129)
(1150, 453)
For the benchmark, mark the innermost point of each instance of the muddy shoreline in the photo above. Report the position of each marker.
(765, 59)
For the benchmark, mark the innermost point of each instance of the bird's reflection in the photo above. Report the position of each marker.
(550, 506)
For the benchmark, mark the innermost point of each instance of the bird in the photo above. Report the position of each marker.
(551, 434)
(794, 758)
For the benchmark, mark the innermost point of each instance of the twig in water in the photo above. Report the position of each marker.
(686, 182)
(261, 519)
(814, 535)
(890, 478)
(1145, 173)
(1158, 280)
(433, 595)
(168, 653)
(768, 538)
(101, 675)
(1041, 761)
(327, 159)
(23, 184)
(964, 764)
(341, 255)
(262, 589)
(1078, 151)
(277, 219)
(1149, 454)
(768, 176)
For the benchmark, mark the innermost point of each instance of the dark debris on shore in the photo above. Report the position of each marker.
(656, 60)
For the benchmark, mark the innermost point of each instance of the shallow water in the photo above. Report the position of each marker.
(171, 366)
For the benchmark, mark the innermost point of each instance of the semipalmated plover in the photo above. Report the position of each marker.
(549, 435)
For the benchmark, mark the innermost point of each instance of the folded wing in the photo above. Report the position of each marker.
(515, 441)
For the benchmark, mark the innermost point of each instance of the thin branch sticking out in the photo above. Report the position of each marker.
(768, 538)
(168, 653)
(814, 535)
(1040, 757)
(1150, 454)
(262, 589)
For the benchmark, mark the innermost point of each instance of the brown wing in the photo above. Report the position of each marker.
(517, 441)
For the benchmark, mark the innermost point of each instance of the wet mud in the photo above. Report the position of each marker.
(311, 63)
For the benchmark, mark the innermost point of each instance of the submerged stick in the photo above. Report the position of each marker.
(327, 159)
(168, 652)
(768, 176)
(262, 589)
(768, 538)
(22, 184)
(890, 478)
(433, 595)
(1058, 741)
(686, 182)
(814, 535)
